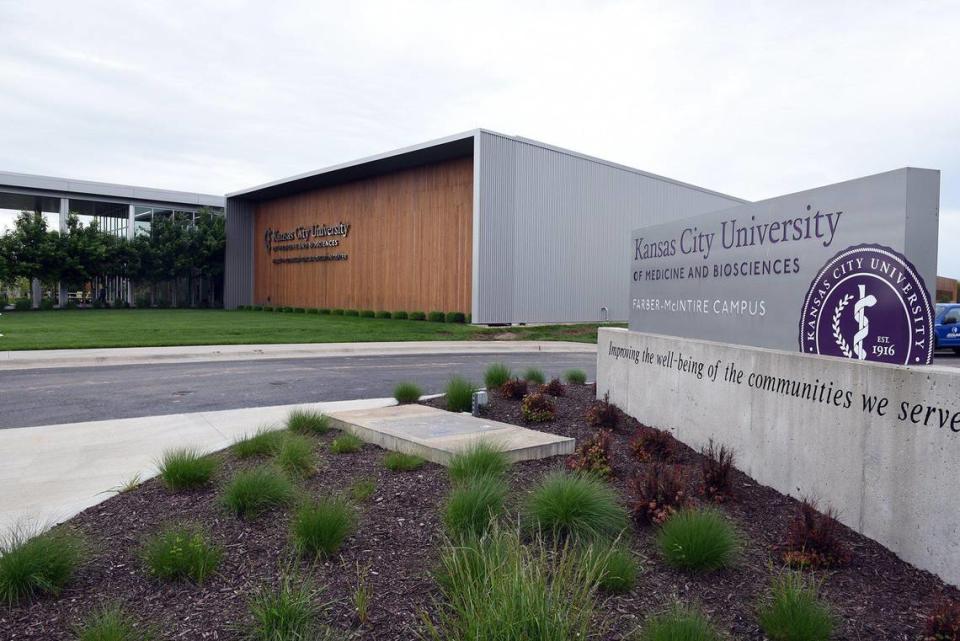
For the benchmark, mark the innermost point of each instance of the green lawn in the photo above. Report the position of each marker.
(158, 327)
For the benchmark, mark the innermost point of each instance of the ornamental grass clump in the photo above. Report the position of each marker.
(186, 468)
(943, 623)
(361, 490)
(406, 393)
(296, 456)
(252, 492)
(716, 468)
(473, 505)
(481, 458)
(565, 505)
(264, 442)
(308, 422)
(288, 612)
(181, 552)
(553, 388)
(678, 624)
(346, 444)
(699, 539)
(651, 444)
(793, 611)
(320, 528)
(659, 491)
(496, 375)
(498, 589)
(615, 566)
(575, 377)
(514, 389)
(814, 539)
(459, 394)
(112, 623)
(34, 565)
(537, 408)
(603, 414)
(534, 375)
(593, 456)
(402, 462)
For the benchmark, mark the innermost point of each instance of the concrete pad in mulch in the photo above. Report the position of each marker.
(437, 435)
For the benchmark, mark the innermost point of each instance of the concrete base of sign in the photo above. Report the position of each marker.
(436, 435)
(879, 443)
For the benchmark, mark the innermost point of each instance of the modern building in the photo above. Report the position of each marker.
(506, 229)
(123, 210)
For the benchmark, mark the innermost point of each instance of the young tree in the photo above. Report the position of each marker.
(33, 250)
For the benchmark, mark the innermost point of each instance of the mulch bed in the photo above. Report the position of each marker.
(876, 596)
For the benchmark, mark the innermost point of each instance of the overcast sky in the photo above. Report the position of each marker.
(754, 99)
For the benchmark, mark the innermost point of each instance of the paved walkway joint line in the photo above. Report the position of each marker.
(437, 434)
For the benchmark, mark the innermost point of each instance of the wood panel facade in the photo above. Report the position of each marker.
(408, 246)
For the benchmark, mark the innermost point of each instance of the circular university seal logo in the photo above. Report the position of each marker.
(868, 303)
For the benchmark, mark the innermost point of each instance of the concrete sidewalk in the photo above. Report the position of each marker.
(36, 359)
(50, 473)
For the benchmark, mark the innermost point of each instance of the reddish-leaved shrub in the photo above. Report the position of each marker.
(593, 456)
(604, 414)
(514, 388)
(943, 624)
(660, 491)
(813, 539)
(652, 444)
(537, 408)
(553, 388)
(717, 469)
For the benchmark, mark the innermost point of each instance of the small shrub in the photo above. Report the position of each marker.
(496, 375)
(459, 394)
(553, 388)
(407, 393)
(716, 468)
(652, 444)
(455, 317)
(660, 491)
(22, 305)
(604, 414)
(481, 458)
(299, 310)
(593, 456)
(943, 623)
(400, 462)
(418, 316)
(368, 313)
(181, 552)
(793, 611)
(313, 311)
(112, 623)
(308, 422)
(253, 491)
(264, 442)
(288, 612)
(287, 310)
(537, 408)
(258, 308)
(35, 565)
(534, 375)
(324, 311)
(319, 529)
(296, 456)
(70, 305)
(384, 315)
(514, 388)
(362, 489)
(814, 540)
(336, 312)
(351, 312)
(346, 444)
(266, 308)
(185, 468)
(573, 505)
(698, 539)
(615, 567)
(678, 624)
(400, 315)
(472, 506)
(436, 317)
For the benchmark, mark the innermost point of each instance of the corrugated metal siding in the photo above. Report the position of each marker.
(238, 267)
(553, 232)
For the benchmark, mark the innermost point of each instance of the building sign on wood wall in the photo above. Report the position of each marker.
(306, 239)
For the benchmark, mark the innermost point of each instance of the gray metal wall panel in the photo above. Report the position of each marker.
(238, 266)
(554, 230)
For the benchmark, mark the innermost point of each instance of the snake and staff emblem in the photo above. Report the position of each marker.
(863, 323)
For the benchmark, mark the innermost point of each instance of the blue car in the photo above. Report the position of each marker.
(946, 325)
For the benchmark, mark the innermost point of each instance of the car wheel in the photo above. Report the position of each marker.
(956, 350)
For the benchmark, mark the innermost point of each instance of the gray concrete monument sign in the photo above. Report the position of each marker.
(844, 270)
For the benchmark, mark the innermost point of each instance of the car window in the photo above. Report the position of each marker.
(953, 316)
